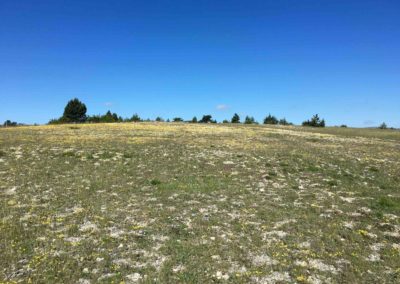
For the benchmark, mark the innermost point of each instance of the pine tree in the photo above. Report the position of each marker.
(270, 119)
(75, 111)
(235, 118)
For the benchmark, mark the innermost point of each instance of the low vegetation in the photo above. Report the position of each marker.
(199, 203)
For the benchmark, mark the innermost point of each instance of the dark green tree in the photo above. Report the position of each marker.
(315, 121)
(75, 111)
(270, 119)
(206, 119)
(383, 126)
(283, 121)
(108, 117)
(249, 120)
(9, 123)
(115, 117)
(159, 119)
(194, 120)
(235, 118)
(136, 118)
(177, 119)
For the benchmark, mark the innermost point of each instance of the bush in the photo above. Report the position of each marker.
(225, 121)
(75, 111)
(315, 122)
(159, 119)
(194, 120)
(235, 118)
(270, 119)
(177, 119)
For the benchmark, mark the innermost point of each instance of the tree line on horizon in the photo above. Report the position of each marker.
(75, 112)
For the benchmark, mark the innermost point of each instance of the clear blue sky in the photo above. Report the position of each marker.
(291, 58)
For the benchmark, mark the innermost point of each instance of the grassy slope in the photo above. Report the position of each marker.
(199, 203)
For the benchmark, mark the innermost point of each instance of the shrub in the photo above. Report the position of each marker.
(235, 118)
(270, 119)
(75, 111)
(225, 121)
(194, 120)
(159, 119)
(177, 119)
(315, 122)
(155, 182)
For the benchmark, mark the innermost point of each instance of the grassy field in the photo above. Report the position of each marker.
(182, 203)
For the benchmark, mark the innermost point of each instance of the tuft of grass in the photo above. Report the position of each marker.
(155, 182)
(387, 204)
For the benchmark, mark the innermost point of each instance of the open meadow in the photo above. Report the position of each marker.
(199, 203)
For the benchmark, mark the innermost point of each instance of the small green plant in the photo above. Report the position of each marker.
(155, 182)
(387, 204)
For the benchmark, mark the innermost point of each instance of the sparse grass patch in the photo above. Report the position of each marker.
(167, 203)
(155, 182)
(387, 204)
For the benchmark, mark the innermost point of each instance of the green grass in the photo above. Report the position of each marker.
(180, 203)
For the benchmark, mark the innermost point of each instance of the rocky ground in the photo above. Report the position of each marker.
(185, 203)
